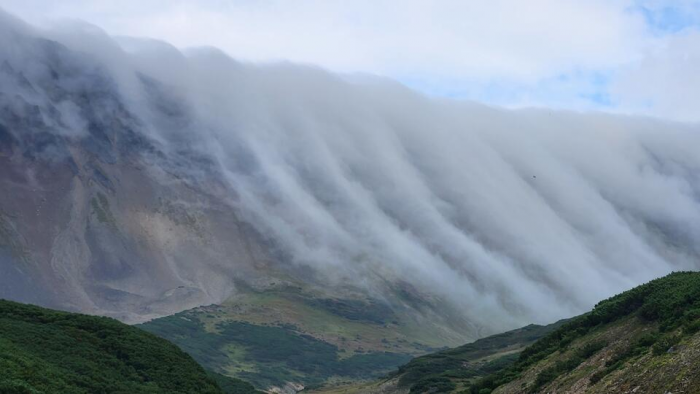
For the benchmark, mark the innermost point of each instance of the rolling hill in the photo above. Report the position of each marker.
(290, 337)
(43, 351)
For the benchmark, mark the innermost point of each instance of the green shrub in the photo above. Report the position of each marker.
(672, 301)
(580, 355)
(46, 351)
(664, 344)
(596, 377)
(647, 339)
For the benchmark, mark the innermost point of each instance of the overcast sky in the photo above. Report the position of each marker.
(636, 56)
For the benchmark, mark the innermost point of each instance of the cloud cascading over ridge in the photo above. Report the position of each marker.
(508, 216)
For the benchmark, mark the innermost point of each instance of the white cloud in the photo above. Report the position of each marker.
(666, 83)
(506, 52)
(518, 40)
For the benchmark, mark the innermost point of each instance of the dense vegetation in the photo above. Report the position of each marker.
(280, 353)
(672, 303)
(47, 351)
(439, 371)
(231, 385)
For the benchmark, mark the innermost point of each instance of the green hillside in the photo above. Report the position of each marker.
(454, 368)
(644, 340)
(289, 336)
(47, 351)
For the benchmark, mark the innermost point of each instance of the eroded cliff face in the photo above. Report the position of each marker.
(98, 216)
(93, 216)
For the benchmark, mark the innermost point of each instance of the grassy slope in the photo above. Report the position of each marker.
(46, 351)
(455, 368)
(384, 386)
(288, 335)
(645, 338)
(626, 362)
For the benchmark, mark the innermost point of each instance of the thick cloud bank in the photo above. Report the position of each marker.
(508, 216)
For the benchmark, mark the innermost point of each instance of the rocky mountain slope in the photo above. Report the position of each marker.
(101, 215)
(89, 219)
(46, 351)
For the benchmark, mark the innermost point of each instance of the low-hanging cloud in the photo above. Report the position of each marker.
(508, 216)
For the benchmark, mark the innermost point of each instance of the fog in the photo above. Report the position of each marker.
(509, 216)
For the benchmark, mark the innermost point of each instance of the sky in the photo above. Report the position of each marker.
(628, 56)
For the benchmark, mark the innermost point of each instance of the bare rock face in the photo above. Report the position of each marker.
(93, 217)
(100, 214)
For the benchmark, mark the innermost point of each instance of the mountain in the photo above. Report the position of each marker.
(141, 181)
(47, 351)
(106, 217)
(92, 222)
(645, 340)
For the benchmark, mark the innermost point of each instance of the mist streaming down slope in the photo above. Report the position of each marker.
(509, 217)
